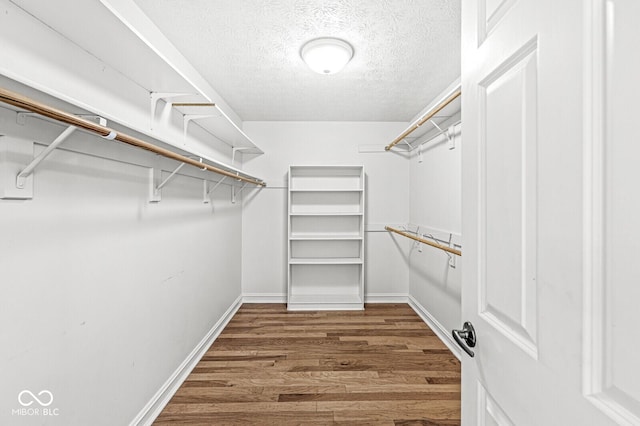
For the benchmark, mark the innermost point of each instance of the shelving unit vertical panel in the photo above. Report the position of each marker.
(362, 233)
(289, 233)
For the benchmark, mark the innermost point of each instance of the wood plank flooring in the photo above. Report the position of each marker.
(380, 366)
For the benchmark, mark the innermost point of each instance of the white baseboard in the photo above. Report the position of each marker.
(386, 298)
(437, 328)
(282, 298)
(264, 298)
(157, 403)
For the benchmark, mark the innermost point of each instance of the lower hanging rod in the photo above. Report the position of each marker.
(422, 240)
(24, 102)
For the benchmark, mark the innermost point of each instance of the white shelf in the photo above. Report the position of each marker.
(326, 261)
(326, 178)
(326, 243)
(326, 214)
(323, 301)
(326, 190)
(325, 237)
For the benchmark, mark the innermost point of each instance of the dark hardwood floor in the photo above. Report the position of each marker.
(380, 366)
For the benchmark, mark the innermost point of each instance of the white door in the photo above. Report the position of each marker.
(551, 211)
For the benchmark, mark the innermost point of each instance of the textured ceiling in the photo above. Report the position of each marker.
(406, 53)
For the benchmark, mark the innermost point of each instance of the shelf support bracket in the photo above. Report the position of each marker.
(101, 120)
(418, 243)
(447, 134)
(168, 178)
(155, 179)
(234, 150)
(234, 194)
(452, 259)
(451, 136)
(436, 126)
(187, 118)
(21, 117)
(158, 96)
(208, 192)
(27, 171)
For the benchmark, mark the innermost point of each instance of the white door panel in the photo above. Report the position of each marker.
(507, 105)
(612, 271)
(490, 12)
(489, 412)
(551, 212)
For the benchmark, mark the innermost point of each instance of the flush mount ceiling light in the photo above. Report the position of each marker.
(326, 55)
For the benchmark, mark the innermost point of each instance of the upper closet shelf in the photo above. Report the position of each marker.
(435, 120)
(150, 60)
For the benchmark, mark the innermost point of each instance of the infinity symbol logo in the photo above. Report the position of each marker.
(35, 398)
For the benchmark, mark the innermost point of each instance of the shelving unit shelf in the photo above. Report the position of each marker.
(325, 268)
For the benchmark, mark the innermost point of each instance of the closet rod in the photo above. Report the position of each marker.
(425, 118)
(23, 102)
(422, 240)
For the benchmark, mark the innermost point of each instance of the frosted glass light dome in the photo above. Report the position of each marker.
(326, 55)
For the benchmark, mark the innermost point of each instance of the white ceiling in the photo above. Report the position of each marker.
(406, 53)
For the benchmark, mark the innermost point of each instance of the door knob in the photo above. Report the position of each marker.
(466, 338)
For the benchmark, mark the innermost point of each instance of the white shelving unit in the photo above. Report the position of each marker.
(325, 268)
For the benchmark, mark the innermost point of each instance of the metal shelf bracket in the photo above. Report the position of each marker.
(236, 149)
(451, 137)
(187, 118)
(154, 97)
(235, 193)
(21, 117)
(448, 133)
(168, 178)
(436, 126)
(27, 171)
(208, 192)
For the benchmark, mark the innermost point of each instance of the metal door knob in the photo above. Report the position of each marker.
(466, 338)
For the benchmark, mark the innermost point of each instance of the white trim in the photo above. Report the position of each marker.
(157, 403)
(386, 298)
(264, 298)
(282, 298)
(435, 325)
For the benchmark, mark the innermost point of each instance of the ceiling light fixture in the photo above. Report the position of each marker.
(326, 55)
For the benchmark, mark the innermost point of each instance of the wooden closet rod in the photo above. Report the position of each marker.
(23, 102)
(424, 119)
(422, 240)
(193, 104)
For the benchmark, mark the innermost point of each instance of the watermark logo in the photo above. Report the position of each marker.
(25, 401)
(35, 404)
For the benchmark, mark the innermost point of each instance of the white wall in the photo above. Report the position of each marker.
(313, 143)
(103, 295)
(435, 206)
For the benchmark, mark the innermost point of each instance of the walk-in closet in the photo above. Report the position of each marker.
(306, 212)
